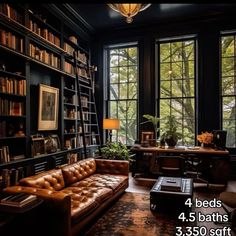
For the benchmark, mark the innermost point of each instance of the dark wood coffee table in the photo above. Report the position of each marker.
(171, 200)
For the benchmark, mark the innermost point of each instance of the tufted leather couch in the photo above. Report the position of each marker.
(75, 194)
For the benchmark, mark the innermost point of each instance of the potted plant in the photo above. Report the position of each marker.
(115, 151)
(169, 131)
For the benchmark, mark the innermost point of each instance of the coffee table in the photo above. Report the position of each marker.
(171, 200)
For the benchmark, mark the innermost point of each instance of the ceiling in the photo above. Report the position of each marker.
(100, 17)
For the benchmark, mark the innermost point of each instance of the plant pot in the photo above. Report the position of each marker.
(171, 142)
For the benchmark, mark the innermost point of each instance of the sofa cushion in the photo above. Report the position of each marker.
(114, 182)
(84, 199)
(52, 179)
(78, 171)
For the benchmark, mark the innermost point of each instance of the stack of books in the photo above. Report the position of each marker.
(18, 200)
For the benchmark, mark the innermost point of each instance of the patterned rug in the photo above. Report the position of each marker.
(131, 216)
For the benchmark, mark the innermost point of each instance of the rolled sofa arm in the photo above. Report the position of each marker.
(112, 166)
(57, 205)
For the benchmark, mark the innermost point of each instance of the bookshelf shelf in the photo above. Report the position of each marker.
(48, 54)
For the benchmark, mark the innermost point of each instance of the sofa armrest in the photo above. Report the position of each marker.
(112, 166)
(45, 194)
(57, 205)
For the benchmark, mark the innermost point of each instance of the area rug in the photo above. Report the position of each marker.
(131, 216)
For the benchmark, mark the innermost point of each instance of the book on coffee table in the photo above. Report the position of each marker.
(171, 184)
(18, 200)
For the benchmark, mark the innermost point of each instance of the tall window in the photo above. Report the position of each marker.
(122, 81)
(228, 87)
(176, 90)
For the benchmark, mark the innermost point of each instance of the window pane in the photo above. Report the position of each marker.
(113, 109)
(228, 86)
(123, 57)
(123, 90)
(114, 75)
(176, 88)
(123, 94)
(133, 77)
(227, 46)
(165, 52)
(132, 93)
(165, 71)
(173, 92)
(114, 91)
(123, 74)
(165, 89)
(132, 59)
(188, 88)
(177, 70)
(227, 66)
(114, 59)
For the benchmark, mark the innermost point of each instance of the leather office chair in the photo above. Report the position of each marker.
(171, 165)
(228, 200)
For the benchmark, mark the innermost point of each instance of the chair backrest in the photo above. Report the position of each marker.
(171, 165)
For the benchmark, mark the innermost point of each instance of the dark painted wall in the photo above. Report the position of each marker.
(208, 83)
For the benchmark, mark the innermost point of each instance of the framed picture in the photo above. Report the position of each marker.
(48, 108)
(37, 145)
(146, 135)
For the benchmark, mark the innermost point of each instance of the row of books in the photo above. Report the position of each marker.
(4, 154)
(83, 72)
(10, 40)
(10, 12)
(12, 176)
(81, 57)
(69, 68)
(45, 33)
(18, 200)
(11, 108)
(12, 86)
(74, 142)
(45, 56)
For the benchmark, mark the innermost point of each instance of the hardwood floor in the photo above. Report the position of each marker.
(144, 185)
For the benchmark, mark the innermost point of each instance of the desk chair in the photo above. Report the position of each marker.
(228, 200)
(171, 165)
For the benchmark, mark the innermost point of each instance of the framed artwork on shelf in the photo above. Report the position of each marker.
(48, 107)
(146, 136)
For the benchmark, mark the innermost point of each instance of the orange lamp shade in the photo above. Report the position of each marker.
(111, 124)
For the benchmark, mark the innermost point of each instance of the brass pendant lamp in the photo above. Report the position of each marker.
(129, 10)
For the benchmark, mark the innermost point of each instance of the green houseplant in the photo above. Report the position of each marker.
(169, 131)
(115, 151)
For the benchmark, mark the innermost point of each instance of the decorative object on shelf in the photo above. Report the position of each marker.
(111, 124)
(48, 107)
(155, 121)
(146, 138)
(128, 10)
(52, 143)
(205, 138)
(115, 151)
(169, 131)
(37, 145)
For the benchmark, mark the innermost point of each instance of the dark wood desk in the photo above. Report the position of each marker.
(216, 162)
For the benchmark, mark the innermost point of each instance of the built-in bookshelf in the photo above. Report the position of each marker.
(38, 48)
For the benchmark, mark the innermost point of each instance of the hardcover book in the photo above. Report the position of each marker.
(18, 200)
(171, 184)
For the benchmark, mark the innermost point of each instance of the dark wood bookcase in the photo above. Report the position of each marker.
(38, 48)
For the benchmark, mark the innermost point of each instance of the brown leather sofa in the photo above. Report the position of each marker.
(75, 194)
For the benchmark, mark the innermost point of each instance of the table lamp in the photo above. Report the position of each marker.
(111, 124)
